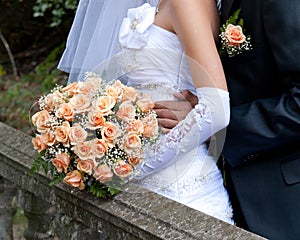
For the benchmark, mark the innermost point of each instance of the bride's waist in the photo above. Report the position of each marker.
(158, 91)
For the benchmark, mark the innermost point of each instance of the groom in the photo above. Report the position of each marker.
(262, 147)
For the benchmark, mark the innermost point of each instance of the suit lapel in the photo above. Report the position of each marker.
(225, 9)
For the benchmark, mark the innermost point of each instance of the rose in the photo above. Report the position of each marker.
(80, 102)
(118, 84)
(122, 169)
(58, 94)
(114, 91)
(95, 120)
(38, 143)
(74, 179)
(145, 103)
(53, 100)
(42, 120)
(126, 111)
(65, 111)
(70, 89)
(150, 126)
(84, 150)
(104, 104)
(89, 84)
(100, 147)
(86, 166)
(37, 115)
(234, 34)
(135, 126)
(103, 173)
(62, 133)
(77, 134)
(129, 94)
(131, 142)
(110, 132)
(61, 162)
(49, 138)
(135, 160)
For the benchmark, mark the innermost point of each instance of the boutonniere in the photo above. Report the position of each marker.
(233, 38)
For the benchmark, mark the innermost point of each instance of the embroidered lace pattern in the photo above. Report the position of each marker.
(176, 138)
(160, 89)
(178, 189)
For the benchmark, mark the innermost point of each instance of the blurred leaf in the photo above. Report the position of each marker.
(57, 8)
(2, 71)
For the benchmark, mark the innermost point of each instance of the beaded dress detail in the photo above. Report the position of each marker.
(154, 61)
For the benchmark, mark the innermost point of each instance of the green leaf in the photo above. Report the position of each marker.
(113, 191)
(98, 190)
(45, 166)
(100, 193)
(241, 22)
(232, 20)
(36, 165)
(235, 15)
(52, 169)
(57, 8)
(57, 179)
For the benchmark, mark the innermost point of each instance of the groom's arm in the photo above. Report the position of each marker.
(272, 123)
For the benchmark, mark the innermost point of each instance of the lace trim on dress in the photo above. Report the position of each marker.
(177, 188)
(156, 90)
(176, 138)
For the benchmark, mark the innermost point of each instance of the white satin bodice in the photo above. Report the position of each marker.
(155, 58)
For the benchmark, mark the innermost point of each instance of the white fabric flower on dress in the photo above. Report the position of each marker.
(134, 31)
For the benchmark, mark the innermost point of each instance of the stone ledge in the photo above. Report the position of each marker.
(132, 214)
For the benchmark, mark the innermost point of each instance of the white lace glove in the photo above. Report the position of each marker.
(210, 115)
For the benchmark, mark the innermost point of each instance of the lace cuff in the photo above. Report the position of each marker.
(210, 115)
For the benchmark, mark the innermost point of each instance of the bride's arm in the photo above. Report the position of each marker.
(197, 25)
(195, 22)
(210, 115)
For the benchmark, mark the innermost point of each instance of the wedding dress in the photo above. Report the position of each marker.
(180, 166)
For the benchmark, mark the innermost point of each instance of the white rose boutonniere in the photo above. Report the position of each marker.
(233, 39)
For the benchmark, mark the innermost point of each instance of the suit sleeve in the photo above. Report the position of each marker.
(271, 123)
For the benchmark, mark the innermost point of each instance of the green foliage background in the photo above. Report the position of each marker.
(36, 32)
(58, 9)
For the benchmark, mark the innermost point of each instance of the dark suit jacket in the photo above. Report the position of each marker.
(262, 143)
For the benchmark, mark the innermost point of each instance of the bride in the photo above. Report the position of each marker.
(164, 51)
(169, 48)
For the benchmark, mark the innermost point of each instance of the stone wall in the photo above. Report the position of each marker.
(59, 212)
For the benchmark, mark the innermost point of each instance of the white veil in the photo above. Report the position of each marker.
(93, 37)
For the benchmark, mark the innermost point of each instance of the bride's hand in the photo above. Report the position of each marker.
(171, 112)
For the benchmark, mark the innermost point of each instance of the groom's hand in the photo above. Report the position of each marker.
(171, 112)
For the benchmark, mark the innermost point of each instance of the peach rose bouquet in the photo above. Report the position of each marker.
(92, 134)
(233, 39)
